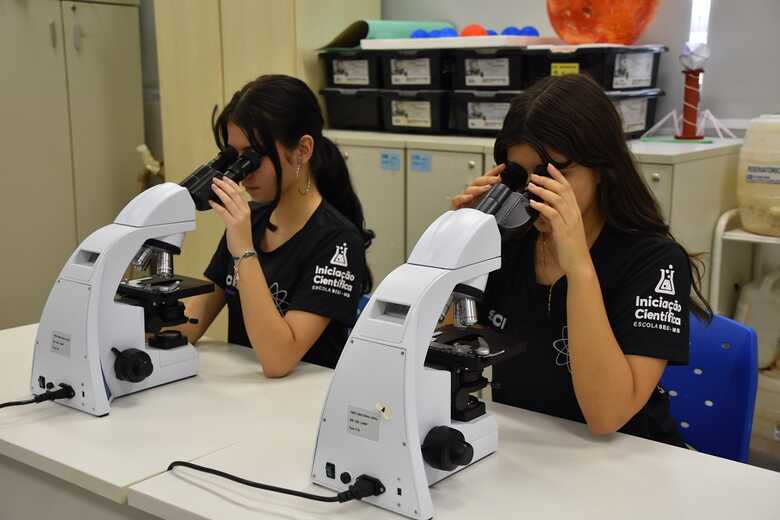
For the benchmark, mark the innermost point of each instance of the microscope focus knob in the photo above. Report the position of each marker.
(446, 448)
(132, 365)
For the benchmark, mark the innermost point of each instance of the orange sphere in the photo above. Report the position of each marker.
(600, 21)
(473, 30)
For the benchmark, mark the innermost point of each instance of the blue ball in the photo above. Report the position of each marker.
(511, 31)
(491, 32)
(448, 32)
(420, 33)
(529, 30)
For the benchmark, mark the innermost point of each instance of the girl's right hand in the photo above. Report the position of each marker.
(469, 197)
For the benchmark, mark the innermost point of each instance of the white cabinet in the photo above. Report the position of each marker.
(433, 177)
(692, 182)
(63, 123)
(379, 181)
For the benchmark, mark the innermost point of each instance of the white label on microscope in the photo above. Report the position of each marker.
(60, 343)
(363, 423)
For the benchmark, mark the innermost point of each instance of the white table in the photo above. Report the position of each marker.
(231, 418)
(545, 468)
(54, 458)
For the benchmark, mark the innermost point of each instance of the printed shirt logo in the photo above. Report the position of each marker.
(659, 312)
(497, 320)
(335, 278)
(666, 283)
(561, 347)
(340, 256)
(280, 297)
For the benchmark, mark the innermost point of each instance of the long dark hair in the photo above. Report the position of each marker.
(278, 108)
(573, 115)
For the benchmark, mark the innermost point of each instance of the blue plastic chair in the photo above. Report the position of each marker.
(713, 397)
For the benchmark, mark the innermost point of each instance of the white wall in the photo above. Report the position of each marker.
(493, 14)
(742, 78)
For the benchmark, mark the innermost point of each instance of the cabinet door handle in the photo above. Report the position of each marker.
(78, 34)
(53, 34)
(656, 177)
(472, 165)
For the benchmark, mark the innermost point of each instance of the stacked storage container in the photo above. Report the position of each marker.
(629, 75)
(353, 77)
(469, 90)
(415, 84)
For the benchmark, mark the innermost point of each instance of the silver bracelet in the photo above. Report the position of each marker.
(237, 262)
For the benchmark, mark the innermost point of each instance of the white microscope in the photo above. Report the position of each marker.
(92, 333)
(399, 408)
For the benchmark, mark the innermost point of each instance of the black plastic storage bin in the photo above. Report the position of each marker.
(417, 112)
(487, 69)
(416, 69)
(479, 112)
(636, 108)
(353, 109)
(613, 67)
(352, 68)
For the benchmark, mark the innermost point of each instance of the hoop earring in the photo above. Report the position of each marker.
(307, 188)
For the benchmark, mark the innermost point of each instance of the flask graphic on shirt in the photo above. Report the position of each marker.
(340, 256)
(666, 283)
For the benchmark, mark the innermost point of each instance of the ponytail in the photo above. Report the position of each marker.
(283, 109)
(334, 184)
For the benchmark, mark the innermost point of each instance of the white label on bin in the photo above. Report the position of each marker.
(633, 112)
(487, 72)
(633, 69)
(410, 72)
(411, 113)
(350, 72)
(363, 423)
(763, 174)
(486, 116)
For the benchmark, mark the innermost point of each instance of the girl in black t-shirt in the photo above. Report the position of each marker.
(599, 288)
(291, 265)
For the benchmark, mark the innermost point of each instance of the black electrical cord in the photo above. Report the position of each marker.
(364, 485)
(63, 392)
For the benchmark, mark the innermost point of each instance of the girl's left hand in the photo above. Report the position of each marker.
(562, 211)
(236, 215)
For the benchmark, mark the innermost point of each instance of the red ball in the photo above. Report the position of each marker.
(473, 29)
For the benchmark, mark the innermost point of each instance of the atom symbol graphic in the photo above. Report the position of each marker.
(279, 296)
(561, 346)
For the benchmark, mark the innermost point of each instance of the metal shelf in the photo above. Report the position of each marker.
(740, 235)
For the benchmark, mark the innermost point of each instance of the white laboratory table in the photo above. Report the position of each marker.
(57, 460)
(545, 468)
(54, 458)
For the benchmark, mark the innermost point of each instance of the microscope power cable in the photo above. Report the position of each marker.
(364, 485)
(63, 392)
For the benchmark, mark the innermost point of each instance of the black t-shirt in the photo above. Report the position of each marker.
(321, 269)
(645, 282)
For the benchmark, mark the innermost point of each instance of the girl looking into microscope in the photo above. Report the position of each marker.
(599, 287)
(291, 266)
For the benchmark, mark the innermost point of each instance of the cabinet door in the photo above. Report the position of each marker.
(38, 230)
(659, 178)
(258, 37)
(432, 179)
(378, 178)
(189, 54)
(103, 50)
